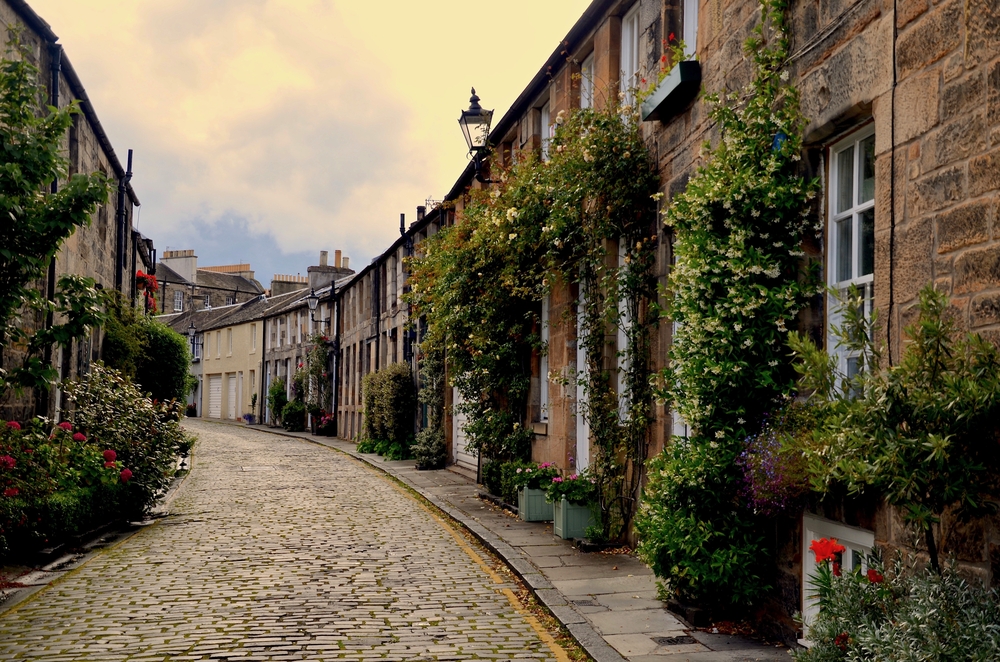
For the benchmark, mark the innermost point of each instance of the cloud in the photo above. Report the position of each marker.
(302, 124)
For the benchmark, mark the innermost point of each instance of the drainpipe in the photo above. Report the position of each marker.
(335, 322)
(120, 220)
(55, 67)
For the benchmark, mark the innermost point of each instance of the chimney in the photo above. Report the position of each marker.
(324, 257)
(343, 263)
(402, 224)
(421, 210)
(336, 258)
(184, 263)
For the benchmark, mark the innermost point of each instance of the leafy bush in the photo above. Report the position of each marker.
(578, 489)
(277, 398)
(145, 437)
(390, 400)
(191, 410)
(533, 476)
(293, 416)
(902, 615)
(430, 450)
(162, 369)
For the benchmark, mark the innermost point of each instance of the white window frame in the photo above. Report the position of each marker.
(543, 364)
(852, 215)
(690, 28)
(208, 300)
(230, 300)
(546, 129)
(628, 78)
(178, 301)
(858, 543)
(587, 82)
(196, 347)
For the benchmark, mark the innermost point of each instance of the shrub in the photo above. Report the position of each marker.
(531, 475)
(390, 400)
(146, 437)
(429, 450)
(162, 369)
(902, 615)
(578, 489)
(293, 416)
(191, 410)
(277, 398)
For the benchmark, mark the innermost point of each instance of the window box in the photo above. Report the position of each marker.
(673, 93)
(532, 506)
(570, 520)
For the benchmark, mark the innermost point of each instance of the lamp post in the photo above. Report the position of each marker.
(475, 123)
(312, 301)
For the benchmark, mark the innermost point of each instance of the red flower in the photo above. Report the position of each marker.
(671, 37)
(11, 492)
(825, 550)
(874, 576)
(842, 640)
(126, 475)
(110, 455)
(7, 462)
(13, 425)
(836, 569)
(109, 465)
(79, 436)
(663, 59)
(66, 425)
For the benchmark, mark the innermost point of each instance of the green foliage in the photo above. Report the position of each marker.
(162, 370)
(479, 284)
(531, 475)
(146, 437)
(390, 400)
(737, 283)
(317, 365)
(923, 433)
(277, 398)
(429, 450)
(579, 489)
(124, 337)
(902, 615)
(36, 224)
(293, 416)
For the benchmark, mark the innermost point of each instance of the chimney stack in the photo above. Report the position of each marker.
(343, 263)
(324, 257)
(402, 224)
(421, 210)
(336, 258)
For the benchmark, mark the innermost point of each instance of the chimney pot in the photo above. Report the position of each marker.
(402, 224)
(344, 262)
(421, 210)
(336, 258)
(324, 257)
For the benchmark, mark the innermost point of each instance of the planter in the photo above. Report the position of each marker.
(674, 92)
(532, 506)
(570, 520)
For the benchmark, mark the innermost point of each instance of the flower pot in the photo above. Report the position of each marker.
(532, 506)
(570, 520)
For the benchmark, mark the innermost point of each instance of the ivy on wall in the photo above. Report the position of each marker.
(479, 284)
(739, 281)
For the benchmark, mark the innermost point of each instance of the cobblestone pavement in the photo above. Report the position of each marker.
(277, 549)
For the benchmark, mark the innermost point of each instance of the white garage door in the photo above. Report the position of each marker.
(215, 396)
(231, 411)
(461, 456)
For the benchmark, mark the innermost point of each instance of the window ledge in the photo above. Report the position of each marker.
(673, 93)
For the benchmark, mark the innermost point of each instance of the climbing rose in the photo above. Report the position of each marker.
(841, 641)
(79, 436)
(66, 425)
(11, 492)
(825, 550)
(7, 462)
(126, 475)
(110, 455)
(109, 465)
(874, 576)
(13, 425)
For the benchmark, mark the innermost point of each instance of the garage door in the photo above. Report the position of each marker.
(231, 402)
(215, 396)
(461, 456)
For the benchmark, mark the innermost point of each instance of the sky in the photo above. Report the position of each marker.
(265, 131)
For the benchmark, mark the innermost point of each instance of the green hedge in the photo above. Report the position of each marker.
(390, 401)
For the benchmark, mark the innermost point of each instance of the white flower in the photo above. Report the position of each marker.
(720, 434)
(784, 75)
(512, 236)
(512, 213)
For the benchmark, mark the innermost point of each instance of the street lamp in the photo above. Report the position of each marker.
(312, 301)
(192, 331)
(475, 123)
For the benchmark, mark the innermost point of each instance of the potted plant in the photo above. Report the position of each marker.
(325, 427)
(571, 498)
(531, 480)
(253, 408)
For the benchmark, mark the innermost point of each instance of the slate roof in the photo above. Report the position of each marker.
(210, 279)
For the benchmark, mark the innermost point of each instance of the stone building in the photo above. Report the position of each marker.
(109, 250)
(186, 286)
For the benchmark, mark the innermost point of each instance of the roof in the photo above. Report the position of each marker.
(39, 25)
(210, 280)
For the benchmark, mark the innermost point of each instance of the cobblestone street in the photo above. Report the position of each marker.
(277, 549)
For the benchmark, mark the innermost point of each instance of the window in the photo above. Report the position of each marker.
(218, 344)
(587, 82)
(178, 301)
(208, 345)
(858, 544)
(546, 131)
(196, 347)
(229, 339)
(230, 300)
(690, 35)
(543, 364)
(208, 300)
(851, 258)
(253, 337)
(629, 76)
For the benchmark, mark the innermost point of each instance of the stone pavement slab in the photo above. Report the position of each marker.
(314, 558)
(608, 602)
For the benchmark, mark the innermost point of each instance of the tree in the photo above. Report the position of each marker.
(36, 223)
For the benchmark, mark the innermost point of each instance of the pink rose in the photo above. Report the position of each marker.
(110, 455)
(66, 425)
(79, 436)
(7, 462)
(126, 475)
(13, 425)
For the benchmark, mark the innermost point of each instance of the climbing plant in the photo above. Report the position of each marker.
(585, 218)
(739, 280)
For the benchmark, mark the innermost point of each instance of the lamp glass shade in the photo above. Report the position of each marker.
(191, 330)
(312, 300)
(476, 127)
